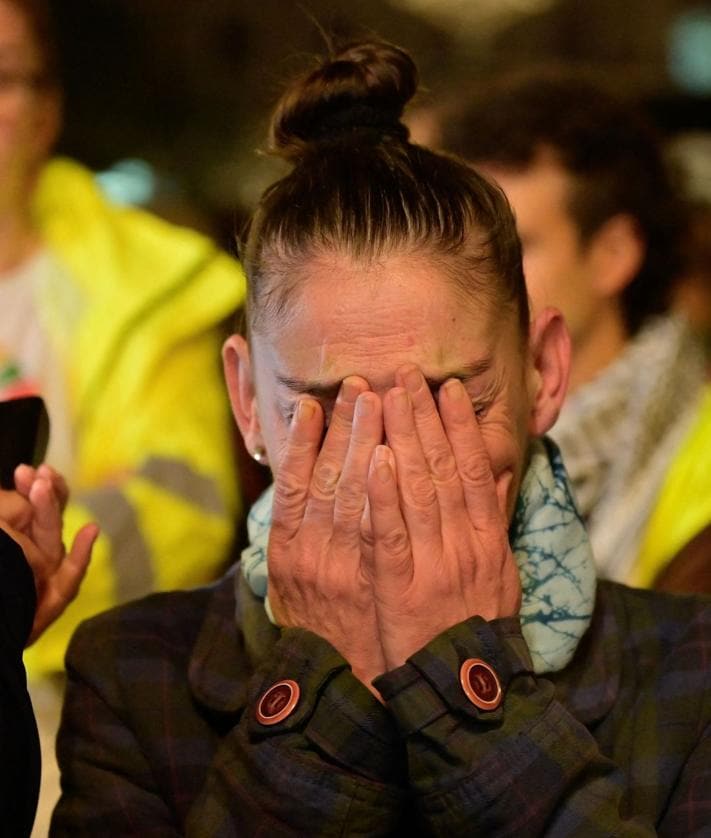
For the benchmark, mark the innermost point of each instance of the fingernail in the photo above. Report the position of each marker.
(364, 405)
(454, 388)
(401, 400)
(383, 470)
(412, 380)
(382, 454)
(349, 391)
(305, 410)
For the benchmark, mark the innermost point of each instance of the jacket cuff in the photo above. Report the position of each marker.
(335, 712)
(428, 685)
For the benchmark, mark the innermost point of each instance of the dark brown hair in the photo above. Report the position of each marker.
(359, 187)
(605, 145)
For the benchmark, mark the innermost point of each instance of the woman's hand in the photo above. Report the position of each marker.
(32, 516)
(318, 578)
(441, 551)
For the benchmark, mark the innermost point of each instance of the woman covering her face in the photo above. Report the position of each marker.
(390, 377)
(414, 639)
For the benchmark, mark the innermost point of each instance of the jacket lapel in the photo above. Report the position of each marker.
(235, 637)
(589, 685)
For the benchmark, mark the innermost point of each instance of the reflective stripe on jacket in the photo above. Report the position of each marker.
(683, 507)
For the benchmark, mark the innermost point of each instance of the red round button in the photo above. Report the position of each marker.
(278, 702)
(480, 684)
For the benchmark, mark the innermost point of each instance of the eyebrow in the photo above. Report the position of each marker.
(328, 390)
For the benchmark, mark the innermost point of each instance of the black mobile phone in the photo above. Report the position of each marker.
(24, 433)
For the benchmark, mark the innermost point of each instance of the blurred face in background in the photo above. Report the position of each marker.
(29, 108)
(557, 266)
(583, 277)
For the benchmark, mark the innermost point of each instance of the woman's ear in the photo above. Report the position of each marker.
(237, 363)
(550, 357)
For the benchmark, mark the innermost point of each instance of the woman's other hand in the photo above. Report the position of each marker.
(318, 577)
(441, 550)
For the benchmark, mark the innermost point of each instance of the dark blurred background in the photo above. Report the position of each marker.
(170, 98)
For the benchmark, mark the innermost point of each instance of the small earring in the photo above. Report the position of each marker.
(259, 455)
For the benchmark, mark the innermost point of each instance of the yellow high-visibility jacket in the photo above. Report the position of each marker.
(683, 507)
(136, 322)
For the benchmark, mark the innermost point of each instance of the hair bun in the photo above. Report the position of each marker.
(364, 86)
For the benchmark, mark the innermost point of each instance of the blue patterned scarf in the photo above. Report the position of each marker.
(550, 546)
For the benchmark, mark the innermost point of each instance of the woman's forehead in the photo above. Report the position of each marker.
(398, 293)
(344, 321)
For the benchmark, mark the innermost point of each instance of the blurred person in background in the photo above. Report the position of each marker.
(690, 154)
(114, 317)
(601, 225)
(692, 294)
(39, 579)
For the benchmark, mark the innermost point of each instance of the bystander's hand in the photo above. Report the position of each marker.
(32, 516)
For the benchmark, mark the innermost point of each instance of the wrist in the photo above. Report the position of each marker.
(435, 670)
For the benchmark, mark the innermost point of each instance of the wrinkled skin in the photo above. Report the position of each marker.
(391, 525)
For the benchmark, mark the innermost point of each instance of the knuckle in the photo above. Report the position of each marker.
(341, 422)
(361, 443)
(350, 497)
(325, 479)
(299, 449)
(442, 464)
(395, 542)
(425, 408)
(408, 436)
(289, 493)
(367, 539)
(421, 491)
(335, 581)
(475, 470)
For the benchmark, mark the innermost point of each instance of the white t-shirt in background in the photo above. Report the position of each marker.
(28, 364)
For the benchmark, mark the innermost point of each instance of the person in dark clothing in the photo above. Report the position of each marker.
(19, 742)
(39, 579)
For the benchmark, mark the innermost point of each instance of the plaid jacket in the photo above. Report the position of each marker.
(159, 735)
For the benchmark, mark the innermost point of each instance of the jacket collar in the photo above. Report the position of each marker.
(235, 638)
(588, 687)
